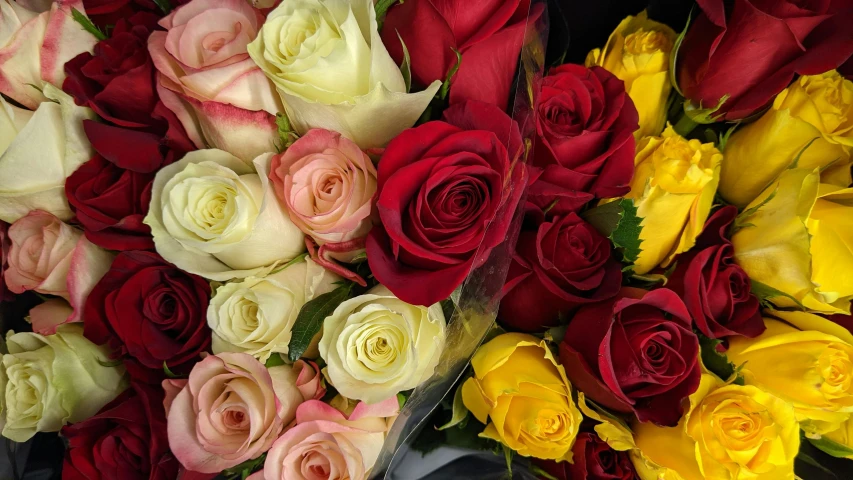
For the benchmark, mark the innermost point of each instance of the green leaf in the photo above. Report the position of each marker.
(109, 363)
(766, 293)
(445, 87)
(718, 363)
(164, 5)
(673, 55)
(809, 460)
(87, 24)
(406, 66)
(619, 222)
(831, 447)
(402, 398)
(275, 360)
(702, 115)
(741, 221)
(286, 133)
(169, 373)
(292, 262)
(460, 412)
(381, 8)
(540, 473)
(724, 137)
(310, 319)
(243, 470)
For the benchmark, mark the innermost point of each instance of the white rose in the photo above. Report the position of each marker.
(34, 46)
(333, 72)
(212, 215)
(54, 380)
(38, 151)
(376, 345)
(256, 315)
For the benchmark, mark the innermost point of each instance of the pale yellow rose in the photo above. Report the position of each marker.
(807, 361)
(673, 189)
(731, 432)
(638, 53)
(798, 239)
(814, 116)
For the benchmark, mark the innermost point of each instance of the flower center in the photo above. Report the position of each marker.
(645, 42)
(836, 368)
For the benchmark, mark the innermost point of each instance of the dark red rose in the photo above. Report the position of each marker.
(593, 459)
(635, 352)
(117, 80)
(750, 50)
(447, 191)
(5, 245)
(488, 33)
(562, 265)
(126, 440)
(106, 13)
(585, 126)
(714, 288)
(148, 309)
(845, 321)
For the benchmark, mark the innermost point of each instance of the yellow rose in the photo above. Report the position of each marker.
(673, 189)
(798, 239)
(806, 360)
(519, 385)
(838, 442)
(813, 116)
(731, 432)
(637, 52)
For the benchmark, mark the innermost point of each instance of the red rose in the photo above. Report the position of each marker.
(447, 191)
(585, 126)
(150, 310)
(489, 34)
(593, 459)
(5, 245)
(126, 440)
(751, 49)
(635, 352)
(117, 79)
(105, 13)
(564, 264)
(714, 288)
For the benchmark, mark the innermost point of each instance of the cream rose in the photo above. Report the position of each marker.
(230, 410)
(376, 345)
(38, 151)
(256, 315)
(333, 72)
(55, 379)
(34, 46)
(328, 185)
(52, 258)
(329, 444)
(212, 215)
(207, 78)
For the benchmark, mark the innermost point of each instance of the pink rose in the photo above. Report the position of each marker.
(328, 185)
(208, 80)
(36, 39)
(231, 409)
(50, 257)
(327, 444)
(308, 380)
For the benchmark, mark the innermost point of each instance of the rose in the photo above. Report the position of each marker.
(309, 380)
(104, 13)
(231, 410)
(40, 150)
(721, 58)
(256, 315)
(593, 459)
(635, 352)
(5, 246)
(333, 72)
(39, 396)
(207, 78)
(796, 241)
(327, 443)
(564, 264)
(489, 40)
(805, 360)
(34, 46)
(328, 185)
(518, 384)
(125, 440)
(213, 216)
(638, 52)
(447, 193)
(810, 125)
(673, 189)
(587, 152)
(52, 258)
(151, 311)
(839, 442)
(376, 345)
(730, 432)
(716, 290)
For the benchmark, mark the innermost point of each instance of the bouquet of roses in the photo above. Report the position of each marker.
(678, 303)
(252, 232)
